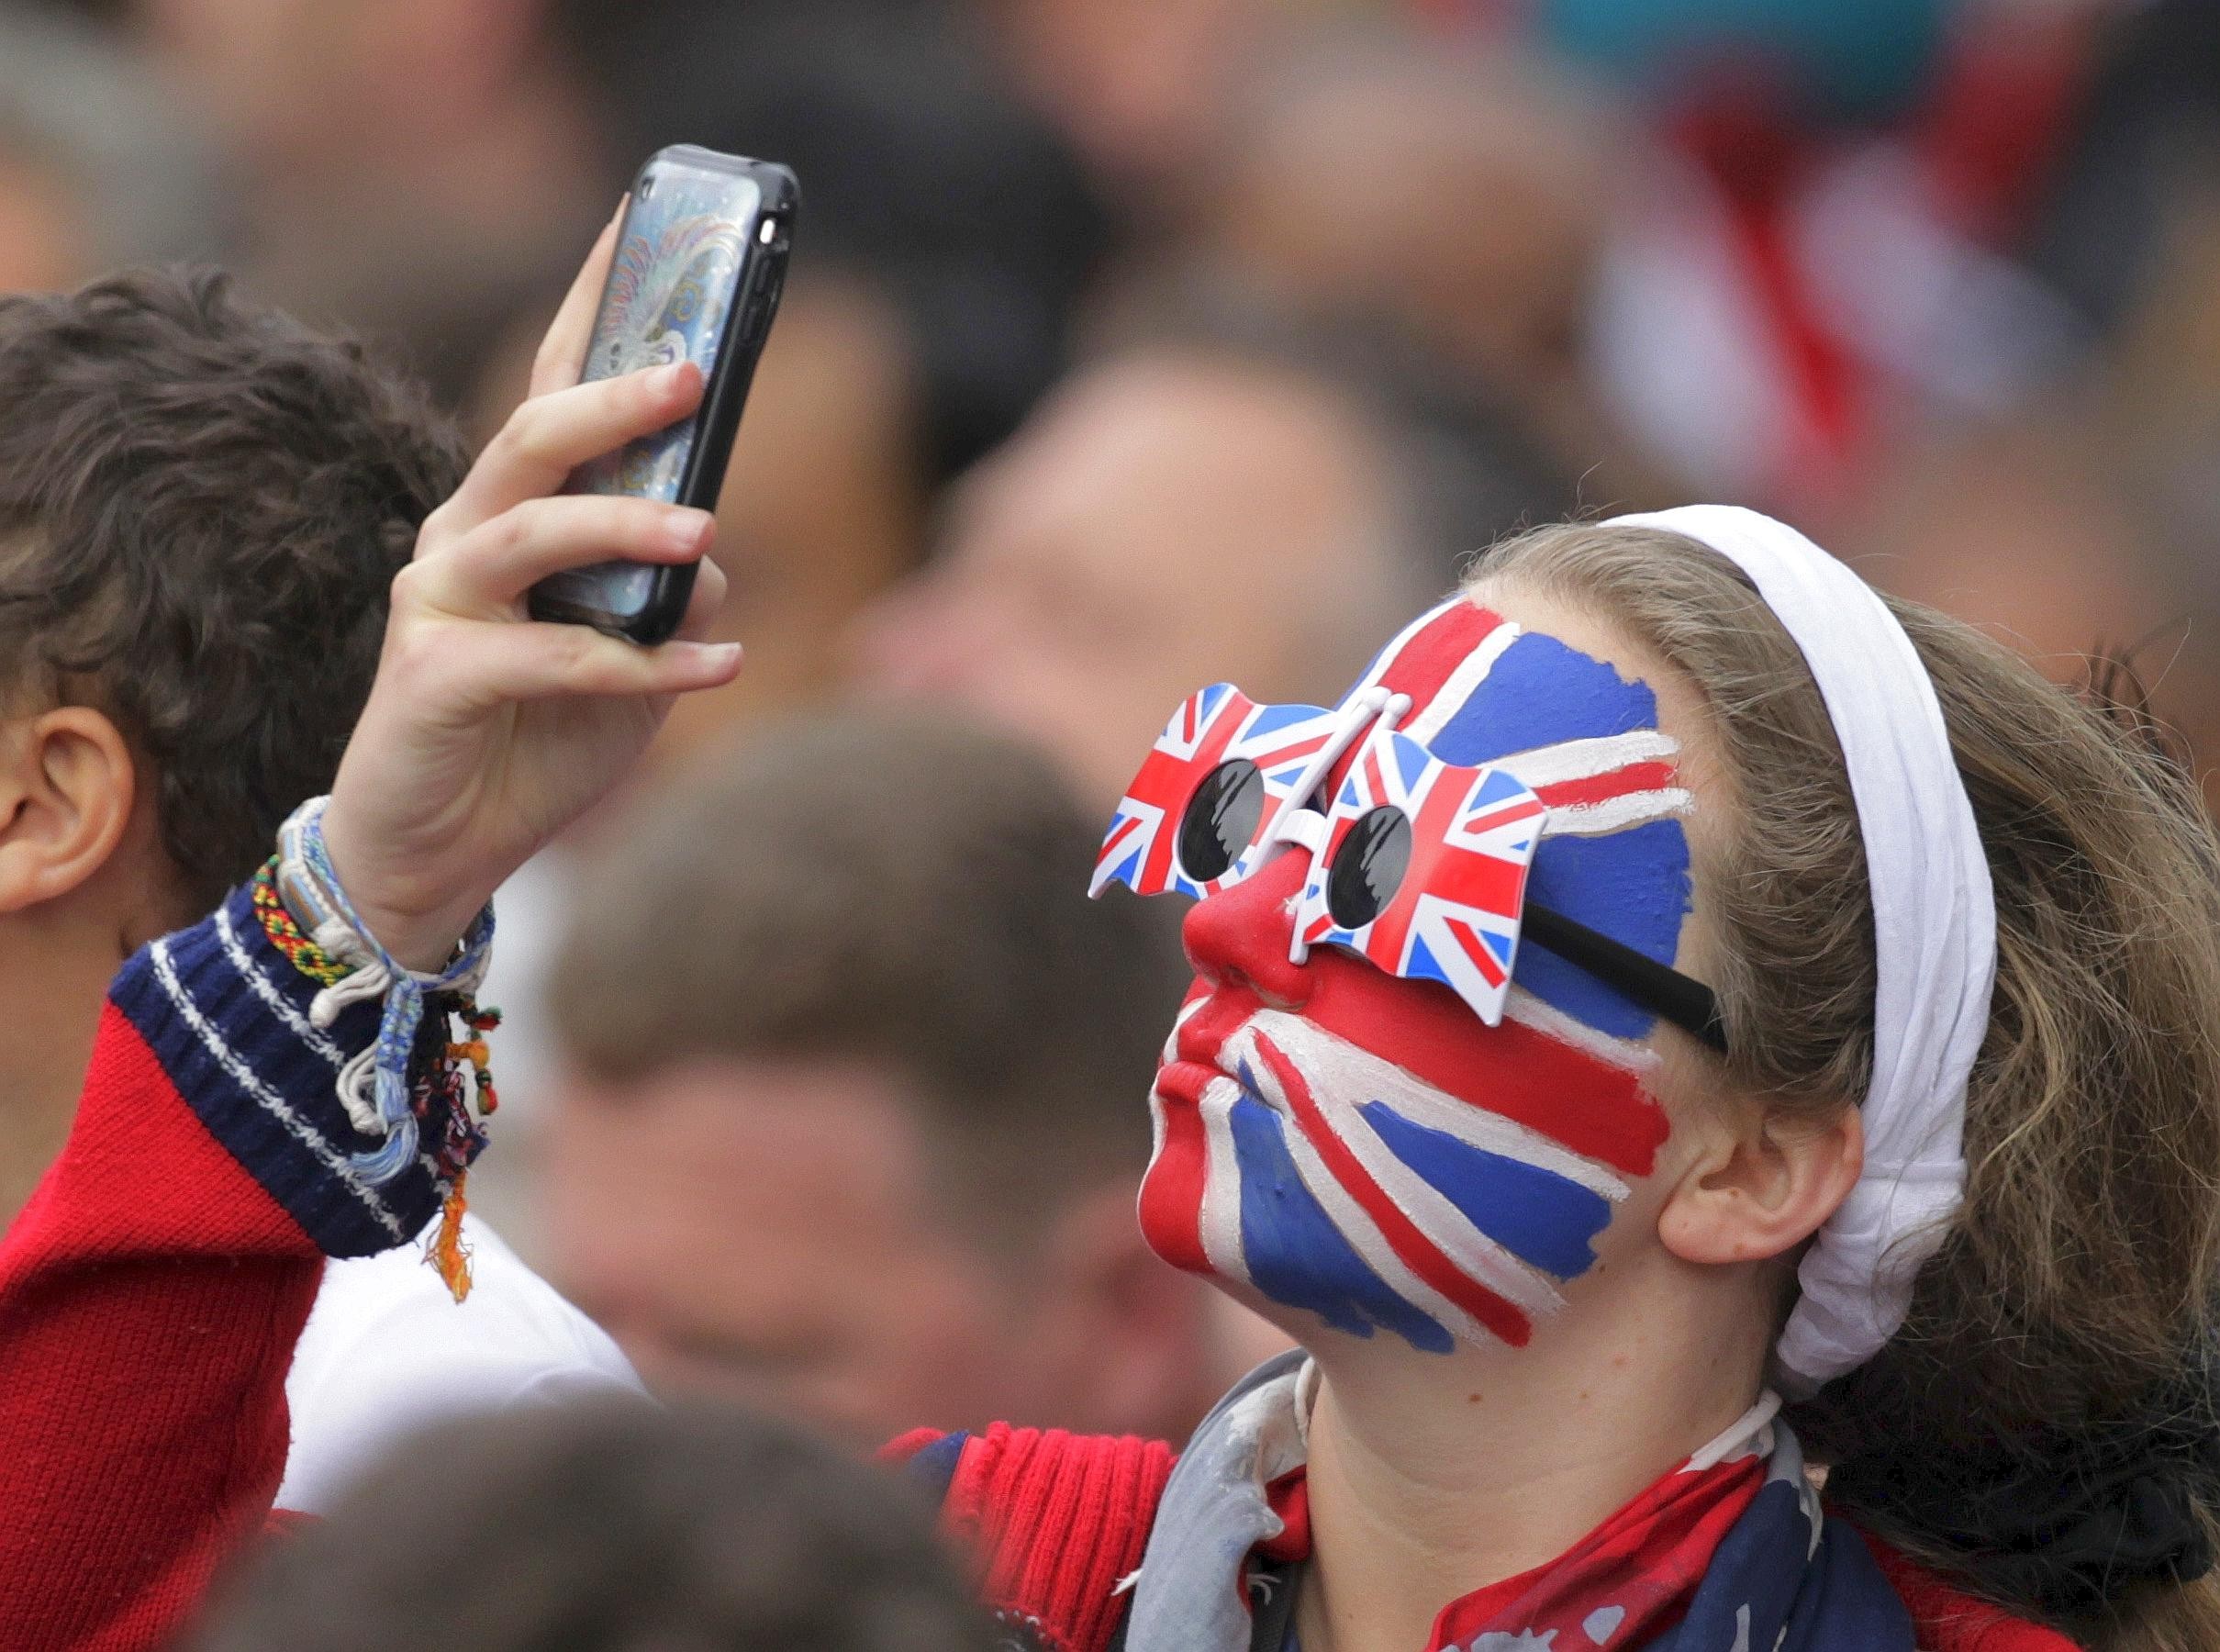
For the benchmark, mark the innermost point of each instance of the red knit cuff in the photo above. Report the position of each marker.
(1058, 1520)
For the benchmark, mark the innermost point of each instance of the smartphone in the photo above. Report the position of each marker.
(700, 261)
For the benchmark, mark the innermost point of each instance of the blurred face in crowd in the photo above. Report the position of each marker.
(1502, 282)
(43, 240)
(1165, 519)
(298, 86)
(279, 75)
(1138, 84)
(781, 1233)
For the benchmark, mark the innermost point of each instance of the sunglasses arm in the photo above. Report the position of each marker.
(1664, 992)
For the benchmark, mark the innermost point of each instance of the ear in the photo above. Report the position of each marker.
(67, 783)
(1762, 1182)
(1124, 1340)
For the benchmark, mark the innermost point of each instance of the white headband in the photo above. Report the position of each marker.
(1934, 934)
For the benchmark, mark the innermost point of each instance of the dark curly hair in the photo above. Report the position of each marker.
(202, 506)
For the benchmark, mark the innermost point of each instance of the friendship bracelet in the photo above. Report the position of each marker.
(285, 934)
(374, 1085)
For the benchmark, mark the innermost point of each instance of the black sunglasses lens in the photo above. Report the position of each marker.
(1369, 867)
(1221, 820)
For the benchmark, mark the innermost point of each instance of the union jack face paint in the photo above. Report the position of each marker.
(1377, 1108)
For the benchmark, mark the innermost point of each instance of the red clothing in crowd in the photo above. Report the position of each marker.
(151, 1290)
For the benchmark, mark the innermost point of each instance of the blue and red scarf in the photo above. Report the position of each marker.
(1730, 1552)
(1087, 1543)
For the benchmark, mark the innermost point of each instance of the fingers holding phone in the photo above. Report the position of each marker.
(561, 359)
(549, 437)
(487, 733)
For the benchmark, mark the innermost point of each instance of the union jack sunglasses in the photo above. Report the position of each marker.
(1418, 865)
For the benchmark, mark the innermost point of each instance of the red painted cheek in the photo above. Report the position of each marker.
(1597, 1110)
(1238, 942)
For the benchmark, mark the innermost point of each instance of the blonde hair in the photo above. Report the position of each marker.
(2078, 1280)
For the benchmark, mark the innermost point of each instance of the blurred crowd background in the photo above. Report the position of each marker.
(1132, 345)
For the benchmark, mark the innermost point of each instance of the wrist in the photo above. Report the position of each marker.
(418, 935)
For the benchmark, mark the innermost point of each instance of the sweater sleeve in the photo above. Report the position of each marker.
(151, 1290)
(1054, 1521)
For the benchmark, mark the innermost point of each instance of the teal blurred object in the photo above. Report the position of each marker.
(1838, 59)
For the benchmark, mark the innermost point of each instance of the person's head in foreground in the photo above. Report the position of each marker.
(202, 506)
(849, 1128)
(1583, 1053)
(621, 1528)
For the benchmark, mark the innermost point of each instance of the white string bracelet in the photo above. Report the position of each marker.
(373, 1084)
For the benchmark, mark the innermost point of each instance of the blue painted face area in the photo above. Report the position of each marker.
(1297, 1256)
(1539, 693)
(1632, 885)
(1535, 1214)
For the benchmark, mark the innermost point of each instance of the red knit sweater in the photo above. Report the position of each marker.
(151, 1290)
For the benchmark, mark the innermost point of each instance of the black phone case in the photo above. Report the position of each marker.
(717, 420)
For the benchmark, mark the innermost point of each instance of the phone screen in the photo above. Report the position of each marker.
(671, 286)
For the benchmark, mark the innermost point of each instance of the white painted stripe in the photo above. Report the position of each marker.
(1616, 814)
(240, 1073)
(1220, 1219)
(1585, 759)
(281, 1007)
(1457, 688)
(1335, 1066)
(1171, 1040)
(1528, 1011)
(1451, 1233)
(1364, 1237)
(1389, 654)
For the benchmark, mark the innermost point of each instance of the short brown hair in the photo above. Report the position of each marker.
(202, 506)
(895, 885)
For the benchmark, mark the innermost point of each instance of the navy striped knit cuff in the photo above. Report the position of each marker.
(227, 1015)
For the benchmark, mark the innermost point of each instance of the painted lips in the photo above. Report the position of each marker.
(1199, 1041)
(1184, 1081)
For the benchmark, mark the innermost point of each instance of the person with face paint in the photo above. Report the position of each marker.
(1680, 1022)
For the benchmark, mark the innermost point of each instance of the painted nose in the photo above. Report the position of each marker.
(1238, 937)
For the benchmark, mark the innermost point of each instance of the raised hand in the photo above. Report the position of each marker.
(488, 731)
